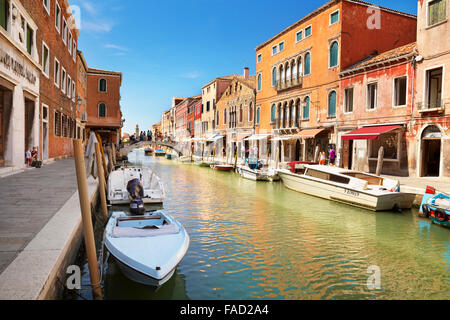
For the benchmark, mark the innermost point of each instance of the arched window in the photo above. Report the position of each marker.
(240, 114)
(217, 120)
(288, 72)
(102, 85)
(273, 113)
(225, 116)
(282, 74)
(259, 82)
(307, 64)
(274, 77)
(294, 70)
(334, 50)
(332, 104)
(300, 67)
(250, 112)
(102, 110)
(258, 115)
(306, 103)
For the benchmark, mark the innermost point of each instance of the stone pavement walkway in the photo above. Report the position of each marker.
(28, 200)
(441, 184)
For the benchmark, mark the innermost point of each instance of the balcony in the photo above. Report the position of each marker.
(436, 106)
(289, 83)
(286, 127)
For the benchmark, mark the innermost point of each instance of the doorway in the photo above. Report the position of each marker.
(44, 132)
(431, 152)
(298, 151)
(29, 122)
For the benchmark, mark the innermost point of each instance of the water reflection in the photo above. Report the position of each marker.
(262, 241)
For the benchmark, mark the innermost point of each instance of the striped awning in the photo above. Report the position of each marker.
(369, 133)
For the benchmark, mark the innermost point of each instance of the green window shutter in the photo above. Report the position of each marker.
(259, 82)
(3, 13)
(29, 39)
(307, 64)
(273, 113)
(335, 17)
(306, 109)
(274, 77)
(436, 11)
(332, 104)
(258, 115)
(299, 35)
(334, 49)
(308, 31)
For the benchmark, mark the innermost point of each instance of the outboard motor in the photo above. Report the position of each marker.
(136, 193)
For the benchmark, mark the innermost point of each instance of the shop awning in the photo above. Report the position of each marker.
(215, 138)
(369, 133)
(309, 133)
(241, 137)
(283, 138)
(257, 137)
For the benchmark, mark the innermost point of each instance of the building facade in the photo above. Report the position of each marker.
(20, 74)
(430, 141)
(298, 71)
(104, 115)
(81, 97)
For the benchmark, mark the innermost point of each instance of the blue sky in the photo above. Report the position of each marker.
(173, 47)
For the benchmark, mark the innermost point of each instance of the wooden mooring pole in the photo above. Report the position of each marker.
(101, 179)
(86, 215)
(380, 161)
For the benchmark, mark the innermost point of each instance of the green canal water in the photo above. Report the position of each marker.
(262, 241)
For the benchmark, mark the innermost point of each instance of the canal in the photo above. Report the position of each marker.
(262, 241)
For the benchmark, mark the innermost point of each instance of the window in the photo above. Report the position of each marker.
(102, 110)
(273, 113)
(250, 112)
(274, 77)
(307, 64)
(57, 124)
(259, 59)
(69, 43)
(274, 50)
(334, 52)
(258, 115)
(334, 17)
(58, 17)
(63, 80)
(308, 31)
(281, 46)
(240, 114)
(64, 31)
(225, 116)
(56, 73)
(259, 82)
(389, 142)
(207, 106)
(74, 51)
(400, 91)
(436, 12)
(299, 36)
(434, 88)
(102, 85)
(4, 14)
(348, 100)
(372, 96)
(332, 99)
(69, 87)
(306, 108)
(47, 5)
(73, 91)
(30, 39)
(45, 60)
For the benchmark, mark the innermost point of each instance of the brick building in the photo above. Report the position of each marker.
(56, 42)
(104, 115)
(81, 99)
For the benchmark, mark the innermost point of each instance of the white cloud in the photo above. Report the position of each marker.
(116, 47)
(191, 75)
(104, 27)
(89, 7)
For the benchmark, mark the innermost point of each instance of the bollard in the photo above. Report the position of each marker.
(87, 219)
(380, 161)
(101, 178)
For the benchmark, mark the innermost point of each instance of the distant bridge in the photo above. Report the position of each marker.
(127, 149)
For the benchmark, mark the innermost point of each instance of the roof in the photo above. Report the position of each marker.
(399, 53)
(105, 72)
(326, 6)
(81, 55)
(229, 77)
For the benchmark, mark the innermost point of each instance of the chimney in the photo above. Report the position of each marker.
(246, 73)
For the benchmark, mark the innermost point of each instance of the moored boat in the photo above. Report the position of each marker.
(185, 159)
(153, 190)
(148, 151)
(254, 171)
(202, 163)
(354, 188)
(160, 153)
(436, 206)
(147, 248)
(222, 167)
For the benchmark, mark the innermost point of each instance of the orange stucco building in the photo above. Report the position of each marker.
(298, 70)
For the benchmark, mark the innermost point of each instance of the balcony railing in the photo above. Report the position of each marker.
(430, 106)
(286, 125)
(289, 83)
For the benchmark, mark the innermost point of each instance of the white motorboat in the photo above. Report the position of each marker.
(355, 188)
(118, 181)
(147, 248)
(258, 174)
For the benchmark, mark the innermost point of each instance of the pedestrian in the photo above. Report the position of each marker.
(28, 158)
(224, 152)
(322, 158)
(332, 156)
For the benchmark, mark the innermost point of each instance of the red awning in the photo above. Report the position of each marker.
(369, 133)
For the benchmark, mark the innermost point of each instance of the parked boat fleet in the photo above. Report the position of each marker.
(148, 245)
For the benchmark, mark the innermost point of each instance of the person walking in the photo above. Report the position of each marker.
(332, 156)
(322, 158)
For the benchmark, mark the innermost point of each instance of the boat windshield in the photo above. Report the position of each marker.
(327, 176)
(373, 181)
